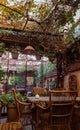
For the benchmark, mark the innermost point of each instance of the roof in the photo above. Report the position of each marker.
(73, 67)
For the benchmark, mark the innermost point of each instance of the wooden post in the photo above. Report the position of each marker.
(59, 70)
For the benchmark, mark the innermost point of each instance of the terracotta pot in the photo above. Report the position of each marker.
(11, 112)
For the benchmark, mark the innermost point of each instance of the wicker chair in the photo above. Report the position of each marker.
(59, 114)
(24, 111)
(11, 126)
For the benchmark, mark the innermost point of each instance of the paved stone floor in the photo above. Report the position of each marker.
(29, 127)
(4, 120)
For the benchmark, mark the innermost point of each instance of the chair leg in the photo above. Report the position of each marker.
(58, 128)
(44, 126)
(32, 125)
(69, 127)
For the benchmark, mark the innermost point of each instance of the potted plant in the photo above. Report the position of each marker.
(15, 51)
(2, 78)
(2, 48)
(2, 75)
(7, 100)
(11, 109)
(3, 101)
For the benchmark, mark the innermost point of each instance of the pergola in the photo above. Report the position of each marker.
(47, 25)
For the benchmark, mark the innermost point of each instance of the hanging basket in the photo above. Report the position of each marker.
(51, 59)
(1, 53)
(14, 55)
(38, 57)
(12, 112)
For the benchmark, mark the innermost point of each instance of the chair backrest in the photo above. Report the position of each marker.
(39, 90)
(61, 107)
(20, 105)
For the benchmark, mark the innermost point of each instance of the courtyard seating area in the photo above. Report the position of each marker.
(59, 110)
(39, 64)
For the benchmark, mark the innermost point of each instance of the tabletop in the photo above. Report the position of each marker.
(46, 98)
(41, 98)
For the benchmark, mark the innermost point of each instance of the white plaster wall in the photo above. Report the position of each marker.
(66, 80)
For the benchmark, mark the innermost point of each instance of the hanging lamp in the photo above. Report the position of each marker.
(29, 50)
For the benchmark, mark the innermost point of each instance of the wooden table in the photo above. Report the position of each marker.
(35, 100)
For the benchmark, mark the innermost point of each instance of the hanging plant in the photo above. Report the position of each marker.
(2, 48)
(38, 57)
(2, 74)
(15, 51)
(14, 55)
(53, 84)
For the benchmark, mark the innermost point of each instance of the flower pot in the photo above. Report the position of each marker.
(11, 112)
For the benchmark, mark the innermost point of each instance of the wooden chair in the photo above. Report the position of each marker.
(24, 110)
(60, 110)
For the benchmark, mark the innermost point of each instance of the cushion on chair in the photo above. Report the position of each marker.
(11, 126)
